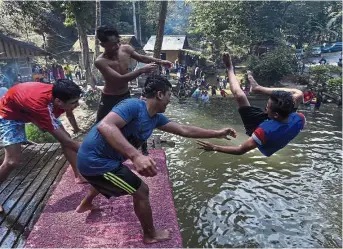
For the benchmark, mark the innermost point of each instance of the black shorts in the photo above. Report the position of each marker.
(252, 117)
(118, 182)
(107, 102)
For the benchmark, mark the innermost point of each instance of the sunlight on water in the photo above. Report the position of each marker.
(292, 199)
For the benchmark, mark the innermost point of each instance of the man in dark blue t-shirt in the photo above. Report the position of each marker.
(269, 130)
(117, 137)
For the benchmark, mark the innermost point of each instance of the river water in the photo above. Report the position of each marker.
(291, 199)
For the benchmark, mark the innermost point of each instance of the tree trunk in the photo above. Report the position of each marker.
(96, 41)
(134, 19)
(139, 23)
(84, 47)
(160, 29)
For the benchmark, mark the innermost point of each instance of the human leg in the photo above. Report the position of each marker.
(12, 135)
(143, 211)
(235, 87)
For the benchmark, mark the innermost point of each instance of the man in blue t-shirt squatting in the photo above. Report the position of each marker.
(117, 137)
(269, 130)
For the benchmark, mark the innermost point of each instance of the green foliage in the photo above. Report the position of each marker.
(273, 65)
(245, 23)
(33, 133)
(92, 97)
(335, 85)
(321, 74)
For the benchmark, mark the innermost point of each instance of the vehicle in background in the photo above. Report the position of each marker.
(333, 48)
(316, 51)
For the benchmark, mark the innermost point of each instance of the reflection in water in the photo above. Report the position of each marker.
(292, 199)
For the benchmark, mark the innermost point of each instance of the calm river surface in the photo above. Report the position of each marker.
(292, 199)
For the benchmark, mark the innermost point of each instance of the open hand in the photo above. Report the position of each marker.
(145, 165)
(205, 145)
(149, 68)
(227, 61)
(166, 63)
(227, 133)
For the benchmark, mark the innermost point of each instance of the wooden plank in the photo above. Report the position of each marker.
(2, 49)
(12, 193)
(7, 50)
(11, 46)
(17, 50)
(26, 151)
(30, 200)
(21, 228)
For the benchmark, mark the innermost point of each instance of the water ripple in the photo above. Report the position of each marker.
(292, 199)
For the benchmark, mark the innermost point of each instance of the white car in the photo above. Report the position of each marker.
(316, 51)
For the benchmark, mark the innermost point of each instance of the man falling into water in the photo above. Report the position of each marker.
(269, 130)
(114, 65)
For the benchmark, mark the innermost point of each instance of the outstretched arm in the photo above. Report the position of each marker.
(248, 145)
(298, 95)
(110, 74)
(196, 132)
(147, 59)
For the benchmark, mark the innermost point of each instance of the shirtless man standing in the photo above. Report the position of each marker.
(114, 63)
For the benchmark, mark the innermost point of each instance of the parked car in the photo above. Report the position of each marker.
(316, 51)
(333, 48)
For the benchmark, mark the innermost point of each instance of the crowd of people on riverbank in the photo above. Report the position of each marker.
(124, 124)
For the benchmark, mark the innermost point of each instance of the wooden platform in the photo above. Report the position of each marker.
(26, 191)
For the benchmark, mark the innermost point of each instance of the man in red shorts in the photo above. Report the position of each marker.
(40, 104)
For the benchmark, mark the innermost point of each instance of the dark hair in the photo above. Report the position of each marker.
(103, 32)
(155, 83)
(282, 103)
(66, 90)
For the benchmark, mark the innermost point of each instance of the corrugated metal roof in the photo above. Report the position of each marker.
(125, 39)
(170, 42)
(23, 44)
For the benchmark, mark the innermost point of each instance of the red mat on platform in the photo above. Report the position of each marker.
(115, 225)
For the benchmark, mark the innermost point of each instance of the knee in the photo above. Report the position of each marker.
(239, 95)
(142, 192)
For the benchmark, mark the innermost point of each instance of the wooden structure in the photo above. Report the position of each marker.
(172, 46)
(26, 191)
(18, 55)
(125, 39)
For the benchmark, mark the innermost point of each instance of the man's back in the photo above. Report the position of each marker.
(97, 152)
(272, 135)
(23, 100)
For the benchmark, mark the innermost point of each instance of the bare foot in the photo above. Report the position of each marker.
(80, 180)
(252, 81)
(227, 61)
(160, 235)
(84, 207)
(1, 209)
